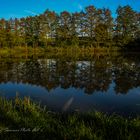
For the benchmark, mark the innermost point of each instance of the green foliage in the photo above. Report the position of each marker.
(90, 27)
(127, 24)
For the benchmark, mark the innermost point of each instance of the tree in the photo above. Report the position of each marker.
(64, 27)
(126, 24)
(82, 26)
(32, 31)
(49, 25)
(75, 26)
(104, 27)
(9, 34)
(2, 32)
(91, 19)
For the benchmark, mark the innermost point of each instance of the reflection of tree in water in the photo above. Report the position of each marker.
(127, 76)
(91, 75)
(32, 72)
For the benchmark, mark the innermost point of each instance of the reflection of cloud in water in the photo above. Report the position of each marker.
(83, 63)
(68, 104)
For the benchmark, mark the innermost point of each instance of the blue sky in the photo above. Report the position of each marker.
(20, 8)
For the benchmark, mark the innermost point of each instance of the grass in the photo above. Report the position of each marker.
(22, 118)
(20, 52)
(71, 50)
(78, 49)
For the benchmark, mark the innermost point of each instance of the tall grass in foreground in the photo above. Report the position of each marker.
(25, 119)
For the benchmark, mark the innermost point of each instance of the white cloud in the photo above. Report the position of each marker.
(80, 6)
(30, 12)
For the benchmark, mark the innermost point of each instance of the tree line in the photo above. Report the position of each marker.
(90, 27)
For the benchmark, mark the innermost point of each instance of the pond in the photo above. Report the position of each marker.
(104, 83)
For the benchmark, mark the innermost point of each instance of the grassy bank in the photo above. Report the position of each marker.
(25, 119)
(71, 51)
(20, 52)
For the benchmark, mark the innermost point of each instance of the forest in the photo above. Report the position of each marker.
(92, 27)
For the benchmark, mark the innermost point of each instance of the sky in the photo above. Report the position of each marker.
(23, 8)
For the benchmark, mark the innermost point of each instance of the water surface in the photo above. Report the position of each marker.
(104, 83)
